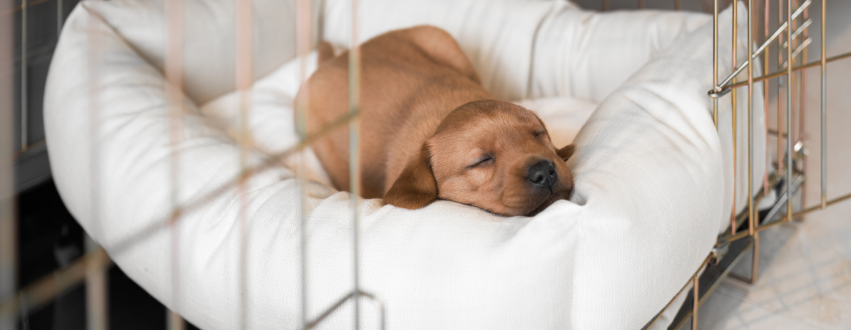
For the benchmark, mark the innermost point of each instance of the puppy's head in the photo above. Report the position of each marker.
(491, 154)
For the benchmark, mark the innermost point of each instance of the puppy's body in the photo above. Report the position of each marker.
(412, 82)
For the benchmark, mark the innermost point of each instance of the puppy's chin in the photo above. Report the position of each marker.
(548, 201)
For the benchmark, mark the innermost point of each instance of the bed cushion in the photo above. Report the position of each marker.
(650, 186)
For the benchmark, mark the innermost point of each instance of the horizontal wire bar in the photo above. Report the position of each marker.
(783, 220)
(818, 207)
(331, 309)
(799, 31)
(49, 286)
(775, 132)
(783, 73)
(798, 51)
(21, 6)
(28, 147)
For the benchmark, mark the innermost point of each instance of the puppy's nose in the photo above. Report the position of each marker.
(543, 174)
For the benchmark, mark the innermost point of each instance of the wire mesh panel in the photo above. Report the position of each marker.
(790, 38)
(8, 230)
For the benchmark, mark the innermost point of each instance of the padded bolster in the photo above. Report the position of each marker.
(649, 193)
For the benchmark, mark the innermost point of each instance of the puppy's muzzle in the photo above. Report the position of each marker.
(543, 174)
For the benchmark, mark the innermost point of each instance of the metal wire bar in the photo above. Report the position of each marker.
(735, 116)
(802, 87)
(800, 29)
(765, 87)
(715, 61)
(244, 80)
(818, 207)
(97, 317)
(60, 17)
(782, 73)
(779, 92)
(789, 105)
(354, 156)
(96, 291)
(303, 47)
(20, 7)
(823, 106)
(640, 4)
(8, 221)
(751, 214)
(696, 304)
(24, 73)
(800, 48)
(330, 310)
(677, 5)
(175, 95)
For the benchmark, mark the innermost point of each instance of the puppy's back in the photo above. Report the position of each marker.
(409, 80)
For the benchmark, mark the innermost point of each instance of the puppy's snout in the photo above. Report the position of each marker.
(543, 174)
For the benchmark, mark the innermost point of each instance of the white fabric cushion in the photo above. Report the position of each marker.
(650, 183)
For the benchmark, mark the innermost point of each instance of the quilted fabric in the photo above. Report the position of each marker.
(652, 187)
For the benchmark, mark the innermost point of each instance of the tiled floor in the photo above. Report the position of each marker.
(805, 267)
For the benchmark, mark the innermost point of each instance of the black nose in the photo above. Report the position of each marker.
(543, 174)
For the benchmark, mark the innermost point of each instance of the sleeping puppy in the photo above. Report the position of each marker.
(429, 130)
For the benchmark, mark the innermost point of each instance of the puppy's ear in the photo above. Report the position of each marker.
(566, 152)
(325, 52)
(416, 186)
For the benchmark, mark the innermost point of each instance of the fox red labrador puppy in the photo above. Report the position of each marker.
(429, 130)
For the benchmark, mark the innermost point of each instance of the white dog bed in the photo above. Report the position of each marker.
(653, 178)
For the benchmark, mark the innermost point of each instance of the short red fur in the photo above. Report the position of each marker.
(430, 131)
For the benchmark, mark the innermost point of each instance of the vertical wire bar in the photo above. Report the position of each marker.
(605, 5)
(243, 85)
(303, 16)
(765, 86)
(676, 4)
(734, 100)
(96, 291)
(715, 62)
(24, 74)
(755, 264)
(96, 281)
(802, 83)
(780, 164)
(640, 4)
(354, 156)
(802, 77)
(60, 17)
(751, 214)
(695, 305)
(789, 153)
(8, 223)
(823, 106)
(174, 92)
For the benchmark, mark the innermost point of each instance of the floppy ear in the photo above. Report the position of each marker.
(566, 152)
(416, 186)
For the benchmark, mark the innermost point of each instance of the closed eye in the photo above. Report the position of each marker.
(538, 133)
(484, 160)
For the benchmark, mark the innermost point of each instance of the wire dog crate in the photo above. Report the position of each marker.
(783, 28)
